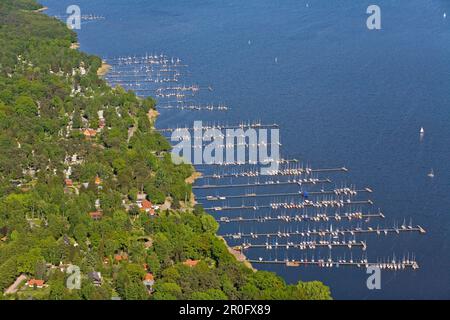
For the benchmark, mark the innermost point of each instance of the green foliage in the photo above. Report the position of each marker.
(45, 102)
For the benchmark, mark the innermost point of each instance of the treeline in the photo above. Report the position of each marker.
(77, 157)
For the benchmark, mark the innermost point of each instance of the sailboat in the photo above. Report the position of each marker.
(422, 131)
(431, 174)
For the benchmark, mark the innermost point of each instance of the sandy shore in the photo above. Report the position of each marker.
(41, 9)
(152, 115)
(104, 69)
(238, 255)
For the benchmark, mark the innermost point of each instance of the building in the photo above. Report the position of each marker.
(191, 263)
(98, 180)
(141, 196)
(68, 182)
(147, 206)
(149, 280)
(96, 278)
(34, 283)
(89, 133)
(96, 215)
(121, 257)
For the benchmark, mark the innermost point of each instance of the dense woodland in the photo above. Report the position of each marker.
(72, 146)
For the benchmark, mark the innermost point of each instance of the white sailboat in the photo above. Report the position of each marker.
(422, 131)
(431, 174)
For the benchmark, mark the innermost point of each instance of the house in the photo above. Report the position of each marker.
(141, 196)
(101, 123)
(121, 257)
(96, 278)
(147, 206)
(191, 263)
(89, 133)
(35, 283)
(68, 182)
(149, 280)
(98, 180)
(96, 215)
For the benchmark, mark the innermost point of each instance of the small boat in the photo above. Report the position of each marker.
(422, 131)
(445, 15)
(431, 174)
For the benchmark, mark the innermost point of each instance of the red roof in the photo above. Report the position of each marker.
(96, 214)
(149, 277)
(90, 133)
(37, 283)
(98, 180)
(146, 204)
(68, 182)
(120, 257)
(191, 263)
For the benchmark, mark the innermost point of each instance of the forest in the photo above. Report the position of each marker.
(86, 181)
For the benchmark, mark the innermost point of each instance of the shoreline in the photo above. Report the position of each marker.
(41, 9)
(104, 68)
(152, 116)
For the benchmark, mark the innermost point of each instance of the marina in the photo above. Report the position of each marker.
(139, 73)
(336, 104)
(312, 204)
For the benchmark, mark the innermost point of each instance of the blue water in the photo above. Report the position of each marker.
(343, 95)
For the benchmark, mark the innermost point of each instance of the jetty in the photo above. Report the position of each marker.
(304, 217)
(265, 183)
(328, 231)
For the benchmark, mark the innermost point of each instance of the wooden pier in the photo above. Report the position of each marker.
(300, 205)
(324, 263)
(299, 218)
(351, 192)
(329, 231)
(305, 245)
(224, 127)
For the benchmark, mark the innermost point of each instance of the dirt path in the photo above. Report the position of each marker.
(13, 288)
